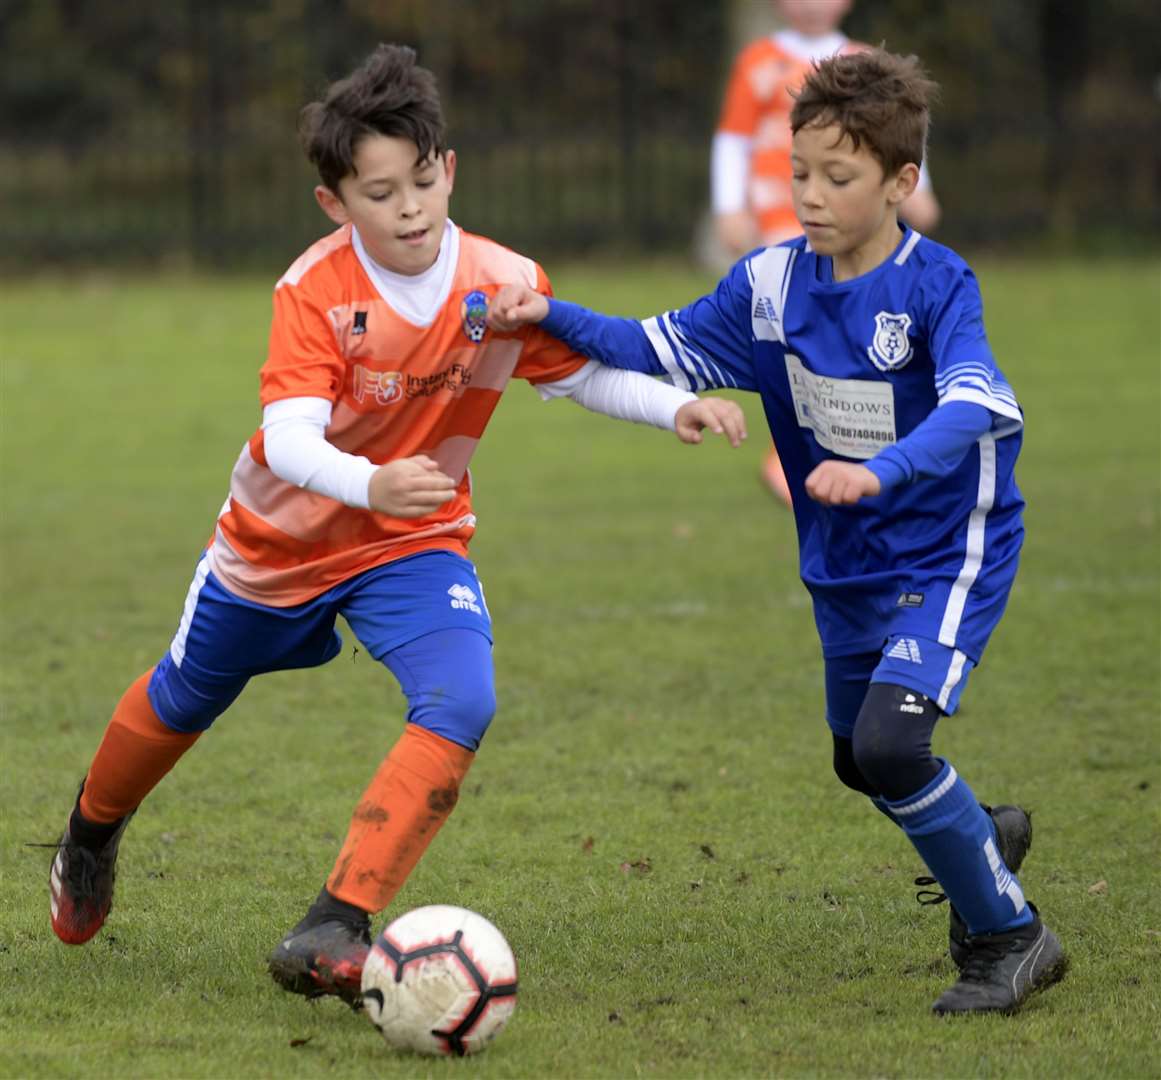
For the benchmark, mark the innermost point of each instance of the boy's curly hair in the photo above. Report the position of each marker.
(388, 94)
(875, 97)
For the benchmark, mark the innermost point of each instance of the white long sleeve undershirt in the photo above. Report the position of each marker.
(729, 172)
(297, 451)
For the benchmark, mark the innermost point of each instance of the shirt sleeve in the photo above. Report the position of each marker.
(303, 359)
(965, 369)
(729, 172)
(933, 448)
(741, 108)
(623, 395)
(705, 345)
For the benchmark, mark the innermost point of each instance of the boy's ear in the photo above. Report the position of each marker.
(903, 184)
(449, 168)
(331, 205)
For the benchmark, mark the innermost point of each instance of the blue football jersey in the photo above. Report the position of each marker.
(846, 369)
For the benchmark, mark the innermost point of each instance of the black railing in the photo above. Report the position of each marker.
(160, 133)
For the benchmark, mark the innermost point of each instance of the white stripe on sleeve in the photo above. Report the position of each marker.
(682, 377)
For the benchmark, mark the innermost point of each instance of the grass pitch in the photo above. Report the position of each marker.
(652, 820)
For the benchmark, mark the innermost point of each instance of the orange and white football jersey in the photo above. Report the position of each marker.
(757, 105)
(397, 389)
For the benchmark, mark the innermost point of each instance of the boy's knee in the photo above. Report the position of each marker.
(846, 769)
(892, 740)
(462, 719)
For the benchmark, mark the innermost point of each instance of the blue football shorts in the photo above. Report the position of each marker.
(919, 664)
(223, 640)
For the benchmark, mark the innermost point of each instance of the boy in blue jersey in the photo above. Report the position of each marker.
(899, 435)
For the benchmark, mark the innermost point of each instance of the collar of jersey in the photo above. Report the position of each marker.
(418, 298)
(802, 47)
(824, 264)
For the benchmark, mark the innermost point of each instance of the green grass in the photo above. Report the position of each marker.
(660, 694)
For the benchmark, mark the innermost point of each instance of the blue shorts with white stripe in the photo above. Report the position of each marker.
(920, 664)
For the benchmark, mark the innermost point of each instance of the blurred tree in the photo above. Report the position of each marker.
(148, 131)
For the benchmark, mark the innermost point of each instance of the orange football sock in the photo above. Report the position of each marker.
(136, 752)
(405, 805)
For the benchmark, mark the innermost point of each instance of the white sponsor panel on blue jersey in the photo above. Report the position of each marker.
(851, 417)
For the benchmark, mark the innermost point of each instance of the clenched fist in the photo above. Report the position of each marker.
(409, 487)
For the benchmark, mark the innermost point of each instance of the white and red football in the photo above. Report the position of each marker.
(440, 980)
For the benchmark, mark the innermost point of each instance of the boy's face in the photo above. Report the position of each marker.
(813, 17)
(398, 205)
(841, 198)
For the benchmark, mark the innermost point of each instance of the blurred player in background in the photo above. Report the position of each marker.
(354, 498)
(750, 159)
(900, 436)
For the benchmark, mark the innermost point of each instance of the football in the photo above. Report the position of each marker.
(440, 980)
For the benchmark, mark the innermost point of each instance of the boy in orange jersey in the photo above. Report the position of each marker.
(750, 160)
(354, 498)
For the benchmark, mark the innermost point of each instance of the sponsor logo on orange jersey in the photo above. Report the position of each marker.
(384, 387)
(388, 387)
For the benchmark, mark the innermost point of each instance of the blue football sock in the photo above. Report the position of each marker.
(884, 808)
(955, 838)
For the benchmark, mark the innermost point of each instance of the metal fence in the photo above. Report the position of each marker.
(166, 133)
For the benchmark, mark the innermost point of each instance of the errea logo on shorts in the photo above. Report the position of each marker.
(463, 599)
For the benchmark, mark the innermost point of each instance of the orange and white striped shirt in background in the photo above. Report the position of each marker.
(757, 105)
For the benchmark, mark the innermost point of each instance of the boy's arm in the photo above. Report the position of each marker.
(297, 451)
(300, 380)
(974, 398)
(704, 346)
(630, 395)
(934, 448)
(730, 161)
(965, 370)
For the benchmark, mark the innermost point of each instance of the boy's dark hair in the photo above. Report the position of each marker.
(875, 97)
(388, 94)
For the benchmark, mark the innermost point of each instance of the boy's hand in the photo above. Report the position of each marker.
(409, 487)
(515, 306)
(840, 483)
(722, 417)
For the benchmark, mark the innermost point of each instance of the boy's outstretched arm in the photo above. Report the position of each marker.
(705, 345)
(623, 394)
(630, 395)
(616, 342)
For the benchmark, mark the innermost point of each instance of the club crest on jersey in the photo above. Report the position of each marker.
(474, 311)
(889, 349)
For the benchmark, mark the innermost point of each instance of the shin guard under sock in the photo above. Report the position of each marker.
(405, 805)
(954, 836)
